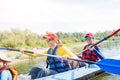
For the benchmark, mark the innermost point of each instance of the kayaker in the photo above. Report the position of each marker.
(7, 72)
(55, 65)
(92, 54)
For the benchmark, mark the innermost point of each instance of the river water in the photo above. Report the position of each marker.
(109, 53)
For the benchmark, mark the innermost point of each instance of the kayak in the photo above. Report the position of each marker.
(111, 66)
(83, 73)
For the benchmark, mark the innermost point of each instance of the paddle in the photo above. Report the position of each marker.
(107, 65)
(12, 49)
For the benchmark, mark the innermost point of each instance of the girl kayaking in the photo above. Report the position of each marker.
(92, 54)
(54, 65)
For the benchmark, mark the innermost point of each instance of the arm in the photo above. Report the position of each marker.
(98, 53)
(63, 51)
(35, 53)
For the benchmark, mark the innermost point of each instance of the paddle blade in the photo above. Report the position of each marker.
(3, 48)
(110, 65)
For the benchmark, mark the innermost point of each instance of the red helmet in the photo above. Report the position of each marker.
(89, 35)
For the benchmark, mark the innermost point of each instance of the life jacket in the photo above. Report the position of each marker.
(55, 63)
(13, 71)
(89, 55)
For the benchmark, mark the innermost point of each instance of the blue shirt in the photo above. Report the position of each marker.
(5, 75)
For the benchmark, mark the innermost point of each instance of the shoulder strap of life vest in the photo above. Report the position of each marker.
(4, 68)
(53, 53)
(13, 71)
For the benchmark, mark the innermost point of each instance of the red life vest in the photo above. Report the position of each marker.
(13, 71)
(89, 55)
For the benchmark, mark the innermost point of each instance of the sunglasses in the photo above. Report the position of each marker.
(89, 38)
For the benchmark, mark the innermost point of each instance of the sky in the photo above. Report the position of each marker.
(43, 16)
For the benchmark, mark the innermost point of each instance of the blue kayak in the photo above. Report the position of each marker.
(83, 73)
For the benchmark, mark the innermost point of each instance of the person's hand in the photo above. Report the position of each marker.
(91, 49)
(64, 58)
(22, 51)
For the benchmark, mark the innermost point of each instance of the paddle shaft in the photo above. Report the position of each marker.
(12, 49)
(31, 52)
(112, 34)
(68, 58)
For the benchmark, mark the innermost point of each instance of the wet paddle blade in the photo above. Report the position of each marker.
(110, 65)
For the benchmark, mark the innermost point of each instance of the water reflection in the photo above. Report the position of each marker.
(112, 77)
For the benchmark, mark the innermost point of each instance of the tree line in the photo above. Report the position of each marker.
(27, 39)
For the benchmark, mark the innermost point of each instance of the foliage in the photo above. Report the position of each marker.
(27, 39)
